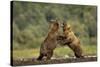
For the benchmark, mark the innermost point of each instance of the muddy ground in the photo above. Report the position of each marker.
(33, 61)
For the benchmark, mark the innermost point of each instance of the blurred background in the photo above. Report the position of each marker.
(31, 25)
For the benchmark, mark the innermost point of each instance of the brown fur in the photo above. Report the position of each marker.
(71, 40)
(50, 42)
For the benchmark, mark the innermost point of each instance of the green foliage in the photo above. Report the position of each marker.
(31, 22)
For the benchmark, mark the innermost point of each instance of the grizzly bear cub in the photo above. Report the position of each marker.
(69, 38)
(50, 42)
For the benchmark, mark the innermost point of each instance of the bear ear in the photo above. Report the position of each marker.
(68, 27)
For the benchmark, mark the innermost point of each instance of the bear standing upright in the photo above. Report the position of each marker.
(50, 41)
(69, 38)
(72, 41)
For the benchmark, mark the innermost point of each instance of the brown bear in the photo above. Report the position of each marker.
(69, 38)
(50, 42)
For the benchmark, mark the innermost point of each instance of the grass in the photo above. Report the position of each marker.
(26, 53)
(90, 50)
(59, 52)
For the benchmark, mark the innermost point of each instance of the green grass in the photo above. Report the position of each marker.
(90, 50)
(26, 53)
(59, 52)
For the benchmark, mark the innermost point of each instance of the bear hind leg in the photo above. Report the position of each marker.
(49, 55)
(40, 57)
